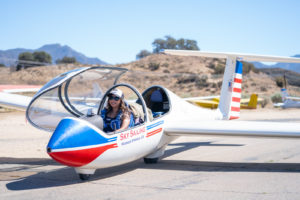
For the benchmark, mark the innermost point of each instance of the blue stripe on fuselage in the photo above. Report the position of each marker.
(72, 133)
(154, 125)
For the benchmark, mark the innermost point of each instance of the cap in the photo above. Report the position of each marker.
(117, 93)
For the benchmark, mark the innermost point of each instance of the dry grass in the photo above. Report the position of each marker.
(186, 76)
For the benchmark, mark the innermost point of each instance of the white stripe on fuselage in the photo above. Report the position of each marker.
(82, 147)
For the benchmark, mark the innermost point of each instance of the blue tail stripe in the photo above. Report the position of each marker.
(239, 67)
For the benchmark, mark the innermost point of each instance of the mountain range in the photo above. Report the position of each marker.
(57, 51)
(295, 67)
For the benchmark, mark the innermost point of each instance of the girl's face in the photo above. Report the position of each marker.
(114, 101)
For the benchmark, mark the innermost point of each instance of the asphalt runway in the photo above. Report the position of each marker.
(192, 168)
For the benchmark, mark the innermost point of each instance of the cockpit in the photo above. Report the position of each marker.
(157, 101)
(83, 93)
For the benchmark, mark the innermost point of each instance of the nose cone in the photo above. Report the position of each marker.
(76, 143)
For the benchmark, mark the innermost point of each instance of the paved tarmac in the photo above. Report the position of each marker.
(192, 168)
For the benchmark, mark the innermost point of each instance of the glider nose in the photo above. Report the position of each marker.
(74, 143)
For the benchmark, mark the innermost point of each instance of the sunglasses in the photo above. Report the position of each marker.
(114, 98)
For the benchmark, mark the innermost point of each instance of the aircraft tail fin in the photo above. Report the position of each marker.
(253, 101)
(230, 99)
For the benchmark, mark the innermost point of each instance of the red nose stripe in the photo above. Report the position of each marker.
(78, 158)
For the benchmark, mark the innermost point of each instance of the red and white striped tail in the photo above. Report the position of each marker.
(236, 92)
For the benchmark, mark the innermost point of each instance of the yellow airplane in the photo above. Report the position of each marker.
(213, 102)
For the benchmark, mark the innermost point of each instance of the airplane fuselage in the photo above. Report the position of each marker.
(80, 144)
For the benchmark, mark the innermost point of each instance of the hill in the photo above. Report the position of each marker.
(186, 76)
(292, 78)
(193, 76)
(57, 51)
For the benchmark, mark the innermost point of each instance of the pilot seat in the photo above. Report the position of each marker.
(156, 103)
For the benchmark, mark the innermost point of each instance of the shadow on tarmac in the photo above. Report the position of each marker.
(67, 176)
(28, 161)
(295, 120)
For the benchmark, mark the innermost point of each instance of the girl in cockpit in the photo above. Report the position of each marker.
(116, 115)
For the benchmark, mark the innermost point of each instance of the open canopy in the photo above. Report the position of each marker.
(74, 93)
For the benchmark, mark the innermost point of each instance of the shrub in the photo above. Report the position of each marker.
(264, 102)
(276, 98)
(202, 81)
(66, 60)
(165, 65)
(143, 54)
(211, 66)
(153, 66)
(219, 69)
(263, 89)
(187, 79)
(279, 81)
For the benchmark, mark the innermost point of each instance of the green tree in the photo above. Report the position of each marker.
(171, 43)
(279, 81)
(42, 56)
(190, 45)
(2, 65)
(28, 59)
(27, 56)
(143, 53)
(66, 60)
(158, 45)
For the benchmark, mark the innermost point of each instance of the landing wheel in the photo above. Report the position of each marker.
(150, 160)
(84, 177)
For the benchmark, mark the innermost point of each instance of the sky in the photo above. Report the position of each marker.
(115, 31)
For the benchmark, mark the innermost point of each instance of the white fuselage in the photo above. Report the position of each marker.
(147, 139)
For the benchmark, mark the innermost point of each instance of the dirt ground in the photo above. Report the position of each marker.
(18, 139)
(192, 167)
